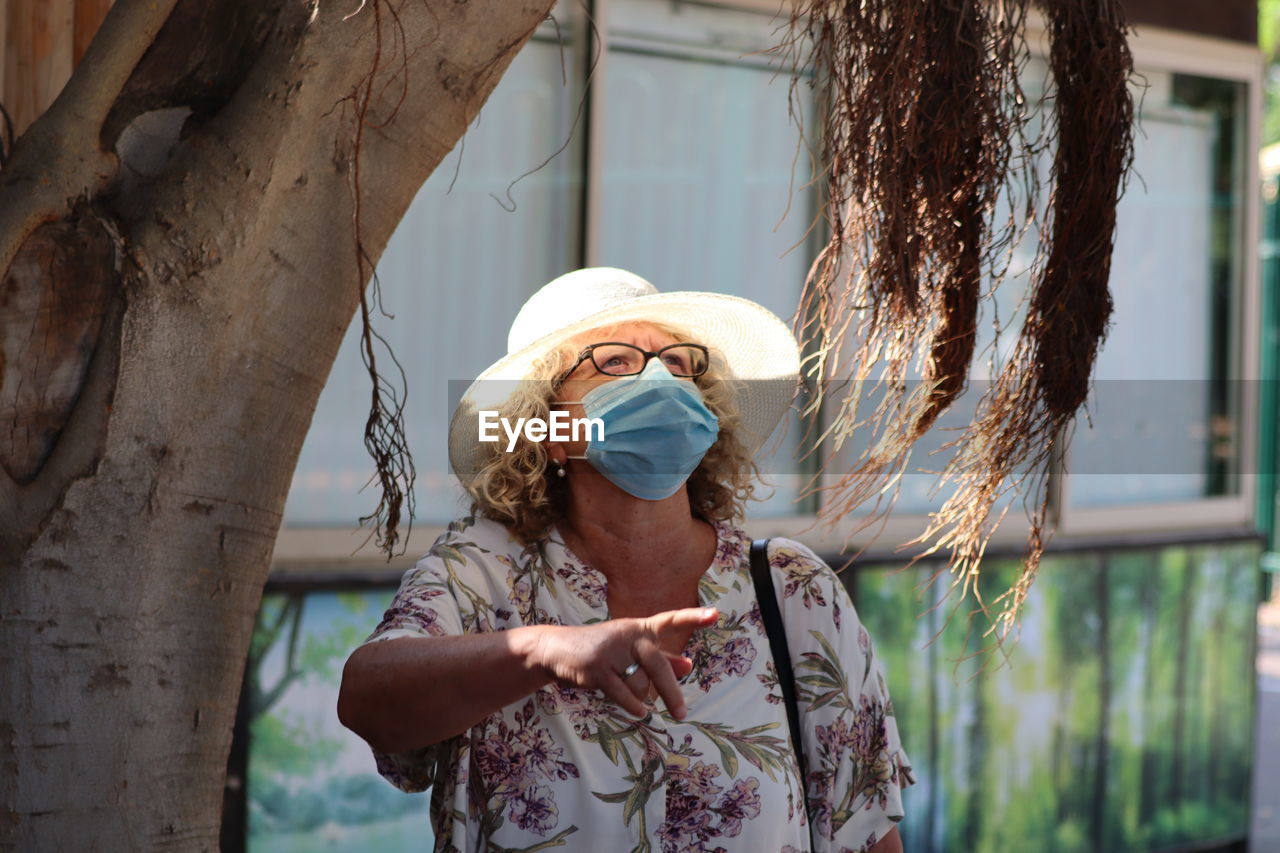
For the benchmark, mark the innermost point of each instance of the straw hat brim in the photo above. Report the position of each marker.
(758, 349)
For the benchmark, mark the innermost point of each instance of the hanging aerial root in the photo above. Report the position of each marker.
(1025, 416)
(385, 435)
(923, 108)
(929, 173)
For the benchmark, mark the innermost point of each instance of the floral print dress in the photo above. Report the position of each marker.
(566, 768)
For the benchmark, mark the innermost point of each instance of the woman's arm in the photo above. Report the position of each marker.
(411, 692)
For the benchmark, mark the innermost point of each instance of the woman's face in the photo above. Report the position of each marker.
(585, 376)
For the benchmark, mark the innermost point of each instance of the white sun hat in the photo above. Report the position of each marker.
(756, 346)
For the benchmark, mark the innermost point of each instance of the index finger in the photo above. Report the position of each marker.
(689, 617)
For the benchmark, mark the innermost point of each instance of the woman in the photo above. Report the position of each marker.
(583, 663)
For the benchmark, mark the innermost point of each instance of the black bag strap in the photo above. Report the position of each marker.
(777, 634)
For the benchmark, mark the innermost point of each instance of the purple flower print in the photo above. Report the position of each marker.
(770, 680)
(521, 591)
(731, 546)
(700, 810)
(498, 762)
(584, 582)
(716, 654)
(738, 654)
(409, 610)
(805, 579)
(742, 802)
(870, 741)
(541, 755)
(513, 761)
(584, 707)
(834, 738)
(534, 809)
(870, 735)
(785, 558)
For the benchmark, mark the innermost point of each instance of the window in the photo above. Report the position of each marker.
(682, 166)
(1167, 438)
(1167, 400)
(692, 172)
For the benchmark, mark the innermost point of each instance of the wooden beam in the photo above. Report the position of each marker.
(88, 17)
(4, 50)
(37, 56)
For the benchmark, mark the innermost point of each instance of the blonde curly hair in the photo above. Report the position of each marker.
(518, 490)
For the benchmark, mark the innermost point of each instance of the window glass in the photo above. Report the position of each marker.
(699, 167)
(1164, 411)
(1162, 422)
(453, 276)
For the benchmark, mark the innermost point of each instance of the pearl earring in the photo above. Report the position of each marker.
(560, 472)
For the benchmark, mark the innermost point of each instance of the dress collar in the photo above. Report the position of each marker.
(591, 587)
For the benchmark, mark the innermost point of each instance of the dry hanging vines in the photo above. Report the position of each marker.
(385, 436)
(924, 140)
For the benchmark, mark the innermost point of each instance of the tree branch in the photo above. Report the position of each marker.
(60, 159)
(263, 701)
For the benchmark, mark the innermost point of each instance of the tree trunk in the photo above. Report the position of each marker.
(1180, 699)
(1098, 810)
(934, 809)
(977, 762)
(179, 266)
(1151, 733)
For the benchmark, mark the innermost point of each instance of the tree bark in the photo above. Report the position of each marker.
(140, 498)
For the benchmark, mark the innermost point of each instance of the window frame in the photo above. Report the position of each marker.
(1159, 49)
(327, 549)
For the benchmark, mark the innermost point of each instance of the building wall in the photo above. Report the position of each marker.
(1236, 20)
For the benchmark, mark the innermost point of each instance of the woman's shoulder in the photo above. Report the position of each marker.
(477, 530)
(786, 556)
(805, 581)
(791, 555)
(471, 541)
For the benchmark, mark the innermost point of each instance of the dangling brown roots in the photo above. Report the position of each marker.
(924, 131)
(385, 436)
(923, 108)
(1026, 414)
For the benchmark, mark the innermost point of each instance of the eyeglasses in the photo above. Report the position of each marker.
(618, 359)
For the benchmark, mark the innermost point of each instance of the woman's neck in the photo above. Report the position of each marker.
(639, 544)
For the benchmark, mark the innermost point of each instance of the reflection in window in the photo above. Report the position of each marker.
(1165, 410)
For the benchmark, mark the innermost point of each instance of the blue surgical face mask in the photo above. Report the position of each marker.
(656, 431)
